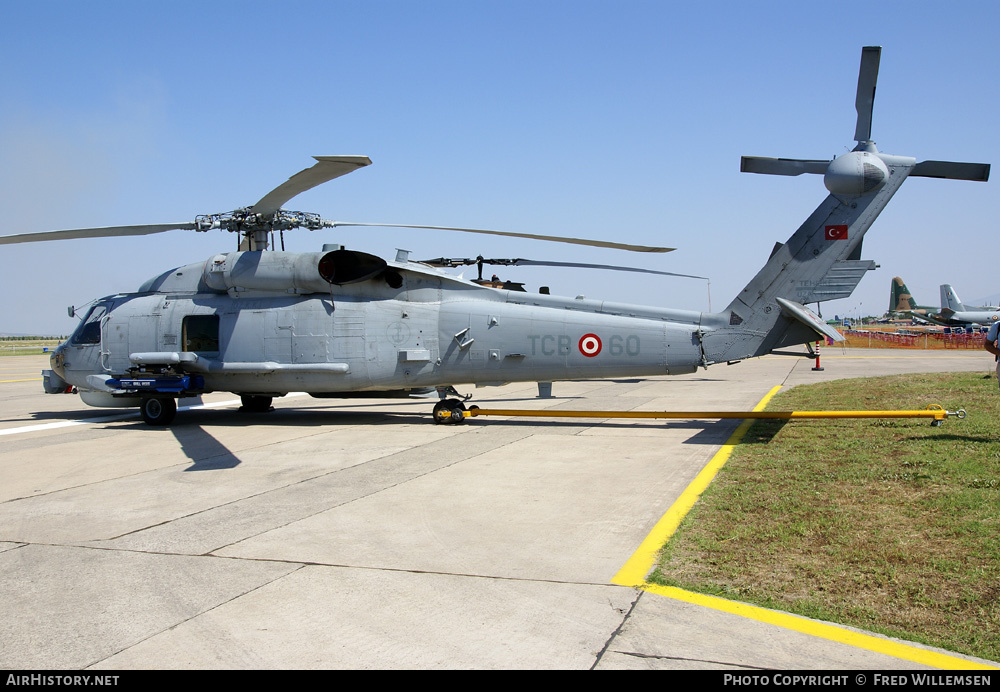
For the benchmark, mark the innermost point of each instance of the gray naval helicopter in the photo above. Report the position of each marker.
(342, 323)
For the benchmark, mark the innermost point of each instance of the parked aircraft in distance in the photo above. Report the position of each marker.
(952, 313)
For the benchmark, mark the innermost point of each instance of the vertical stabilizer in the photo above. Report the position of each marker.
(900, 298)
(950, 299)
(827, 245)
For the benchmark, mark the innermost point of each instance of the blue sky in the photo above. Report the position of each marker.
(610, 120)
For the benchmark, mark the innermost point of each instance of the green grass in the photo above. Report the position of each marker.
(888, 525)
(26, 346)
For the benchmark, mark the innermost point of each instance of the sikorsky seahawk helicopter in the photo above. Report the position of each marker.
(341, 323)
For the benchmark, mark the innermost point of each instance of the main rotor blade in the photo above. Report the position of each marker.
(865, 101)
(328, 168)
(551, 238)
(541, 263)
(458, 262)
(102, 232)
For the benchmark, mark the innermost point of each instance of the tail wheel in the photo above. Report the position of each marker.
(454, 409)
(158, 411)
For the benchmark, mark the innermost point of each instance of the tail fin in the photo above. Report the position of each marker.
(900, 298)
(822, 259)
(950, 299)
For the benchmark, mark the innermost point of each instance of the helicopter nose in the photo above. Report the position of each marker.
(57, 361)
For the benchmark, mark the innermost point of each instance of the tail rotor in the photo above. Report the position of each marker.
(862, 170)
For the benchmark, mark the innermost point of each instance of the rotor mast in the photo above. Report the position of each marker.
(255, 228)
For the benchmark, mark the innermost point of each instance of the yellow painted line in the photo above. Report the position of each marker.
(821, 629)
(638, 566)
(33, 379)
(634, 572)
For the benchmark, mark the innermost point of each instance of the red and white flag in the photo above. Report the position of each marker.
(836, 232)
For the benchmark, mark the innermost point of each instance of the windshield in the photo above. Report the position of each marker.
(89, 331)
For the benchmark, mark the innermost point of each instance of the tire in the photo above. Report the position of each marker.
(158, 411)
(454, 408)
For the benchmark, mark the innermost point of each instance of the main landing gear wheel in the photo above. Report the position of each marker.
(255, 404)
(158, 411)
(454, 409)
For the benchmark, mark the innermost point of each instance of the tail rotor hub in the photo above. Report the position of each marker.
(855, 173)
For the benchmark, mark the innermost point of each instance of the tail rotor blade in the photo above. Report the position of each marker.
(865, 101)
(769, 166)
(979, 172)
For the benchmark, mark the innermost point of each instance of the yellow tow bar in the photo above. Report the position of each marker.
(457, 413)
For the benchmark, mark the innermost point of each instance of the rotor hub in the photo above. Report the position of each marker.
(245, 221)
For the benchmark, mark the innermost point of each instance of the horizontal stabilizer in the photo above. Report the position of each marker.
(932, 318)
(949, 169)
(808, 318)
(769, 166)
(840, 282)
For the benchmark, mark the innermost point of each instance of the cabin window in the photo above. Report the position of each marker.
(201, 333)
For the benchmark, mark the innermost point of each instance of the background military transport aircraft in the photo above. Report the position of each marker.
(901, 301)
(951, 313)
(341, 322)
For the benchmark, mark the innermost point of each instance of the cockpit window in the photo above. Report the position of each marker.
(89, 331)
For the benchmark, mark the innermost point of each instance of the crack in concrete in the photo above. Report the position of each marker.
(621, 625)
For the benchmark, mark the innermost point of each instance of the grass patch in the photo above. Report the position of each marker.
(888, 525)
(27, 346)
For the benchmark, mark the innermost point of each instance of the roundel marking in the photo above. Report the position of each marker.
(590, 345)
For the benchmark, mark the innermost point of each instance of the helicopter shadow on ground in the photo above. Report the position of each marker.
(204, 451)
(193, 429)
(87, 414)
(950, 437)
(82, 414)
(600, 379)
(762, 431)
(641, 380)
(706, 432)
(198, 443)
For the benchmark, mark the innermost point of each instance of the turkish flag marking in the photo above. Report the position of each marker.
(835, 233)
